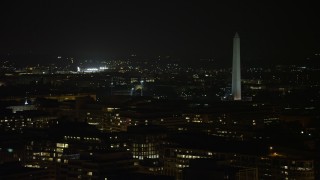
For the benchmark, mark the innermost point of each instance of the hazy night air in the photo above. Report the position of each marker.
(189, 30)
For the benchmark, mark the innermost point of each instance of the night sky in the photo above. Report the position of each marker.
(271, 32)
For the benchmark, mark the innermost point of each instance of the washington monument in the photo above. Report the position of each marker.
(236, 73)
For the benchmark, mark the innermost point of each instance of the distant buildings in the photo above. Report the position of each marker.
(98, 126)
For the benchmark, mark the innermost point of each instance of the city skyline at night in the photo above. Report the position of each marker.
(159, 90)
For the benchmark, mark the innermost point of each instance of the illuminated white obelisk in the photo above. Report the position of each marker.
(236, 73)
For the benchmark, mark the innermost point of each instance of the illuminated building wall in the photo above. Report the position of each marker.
(175, 159)
(43, 154)
(106, 119)
(98, 165)
(269, 166)
(57, 145)
(145, 150)
(145, 147)
(21, 120)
